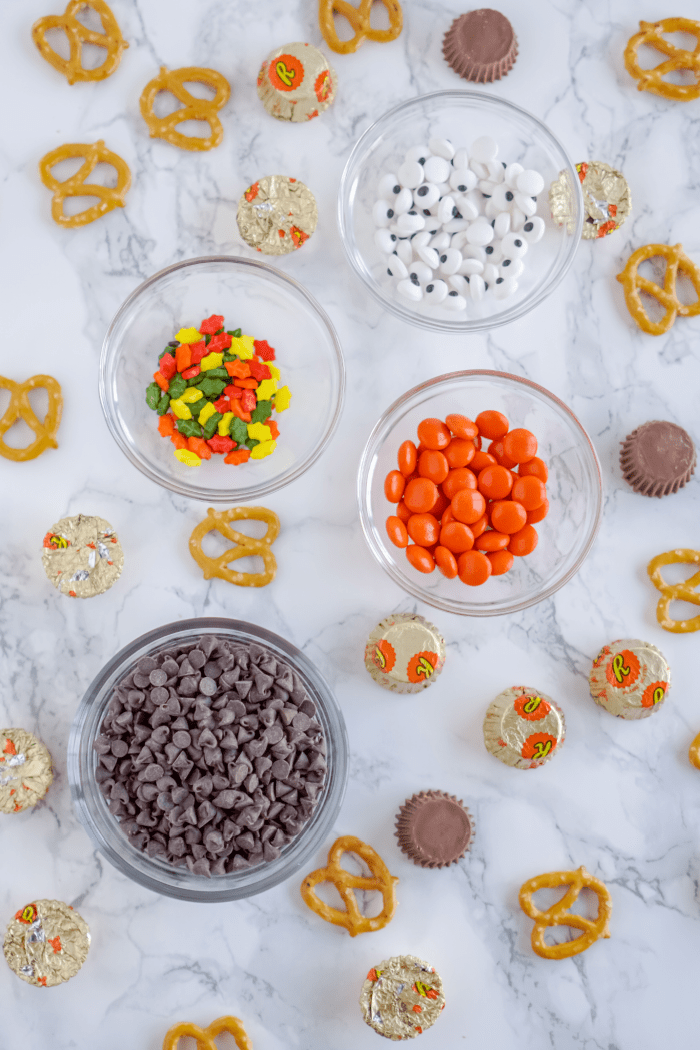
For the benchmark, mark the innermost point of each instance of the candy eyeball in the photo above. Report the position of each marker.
(437, 169)
(501, 225)
(403, 201)
(511, 268)
(410, 290)
(530, 183)
(477, 287)
(419, 240)
(382, 213)
(419, 154)
(410, 174)
(533, 229)
(429, 256)
(455, 301)
(511, 175)
(501, 196)
(404, 251)
(426, 195)
(458, 284)
(396, 268)
(504, 288)
(513, 246)
(490, 274)
(419, 272)
(526, 204)
(411, 222)
(480, 233)
(450, 261)
(436, 291)
(463, 180)
(441, 148)
(388, 187)
(442, 240)
(385, 241)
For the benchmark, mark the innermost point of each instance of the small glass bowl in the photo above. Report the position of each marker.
(574, 490)
(105, 830)
(266, 304)
(461, 117)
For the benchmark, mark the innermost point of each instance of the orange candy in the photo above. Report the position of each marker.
(420, 558)
(446, 562)
(479, 526)
(458, 479)
(492, 425)
(461, 426)
(457, 537)
(498, 452)
(495, 482)
(474, 568)
(420, 495)
(529, 491)
(520, 445)
(394, 484)
(434, 434)
(523, 542)
(507, 516)
(468, 506)
(533, 516)
(439, 506)
(535, 467)
(490, 541)
(481, 460)
(423, 529)
(501, 561)
(402, 512)
(433, 465)
(407, 458)
(396, 531)
(459, 452)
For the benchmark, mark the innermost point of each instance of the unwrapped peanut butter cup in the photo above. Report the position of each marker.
(657, 458)
(434, 829)
(480, 46)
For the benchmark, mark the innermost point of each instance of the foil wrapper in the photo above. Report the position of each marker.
(46, 943)
(523, 727)
(607, 201)
(296, 83)
(630, 678)
(82, 556)
(277, 214)
(26, 773)
(405, 653)
(401, 997)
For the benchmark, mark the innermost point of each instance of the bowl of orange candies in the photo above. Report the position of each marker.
(480, 492)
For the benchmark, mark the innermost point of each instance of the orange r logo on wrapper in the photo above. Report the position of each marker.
(421, 667)
(654, 694)
(286, 73)
(623, 669)
(27, 914)
(538, 746)
(383, 655)
(532, 708)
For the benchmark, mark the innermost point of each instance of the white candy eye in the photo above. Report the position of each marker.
(484, 149)
(426, 195)
(471, 266)
(517, 218)
(473, 251)
(500, 196)
(403, 201)
(512, 172)
(455, 301)
(411, 222)
(480, 170)
(410, 174)
(477, 287)
(466, 208)
(437, 169)
(418, 271)
(505, 288)
(420, 239)
(480, 233)
(496, 170)
(382, 213)
(458, 284)
(429, 256)
(436, 291)
(533, 230)
(490, 274)
(446, 209)
(396, 268)
(487, 187)
(530, 183)
(419, 153)
(404, 251)
(514, 268)
(513, 246)
(442, 240)
(460, 160)
(388, 187)
(385, 241)
(442, 148)
(450, 261)
(526, 204)
(463, 180)
(502, 224)
(409, 290)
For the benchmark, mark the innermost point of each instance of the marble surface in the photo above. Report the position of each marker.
(621, 798)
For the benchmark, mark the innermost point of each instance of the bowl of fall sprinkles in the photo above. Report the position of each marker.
(221, 379)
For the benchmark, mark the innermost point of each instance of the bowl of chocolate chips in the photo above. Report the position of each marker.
(208, 760)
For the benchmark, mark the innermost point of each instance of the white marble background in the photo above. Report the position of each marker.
(621, 798)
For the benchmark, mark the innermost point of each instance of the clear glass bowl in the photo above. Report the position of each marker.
(574, 490)
(266, 304)
(462, 117)
(104, 829)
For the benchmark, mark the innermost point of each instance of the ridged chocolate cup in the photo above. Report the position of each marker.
(480, 46)
(658, 458)
(434, 829)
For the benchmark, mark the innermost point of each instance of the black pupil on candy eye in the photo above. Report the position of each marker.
(528, 226)
(503, 163)
(422, 191)
(389, 272)
(499, 280)
(489, 250)
(390, 213)
(486, 195)
(413, 213)
(443, 258)
(397, 189)
(462, 189)
(451, 293)
(426, 211)
(455, 213)
(430, 288)
(421, 160)
(518, 244)
(393, 236)
(507, 262)
(509, 196)
(414, 278)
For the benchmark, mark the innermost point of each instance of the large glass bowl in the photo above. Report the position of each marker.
(574, 490)
(266, 304)
(462, 117)
(105, 830)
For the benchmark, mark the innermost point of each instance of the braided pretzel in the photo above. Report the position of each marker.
(20, 408)
(78, 34)
(559, 915)
(352, 919)
(193, 109)
(652, 79)
(683, 592)
(76, 186)
(247, 546)
(359, 19)
(205, 1036)
(694, 752)
(632, 283)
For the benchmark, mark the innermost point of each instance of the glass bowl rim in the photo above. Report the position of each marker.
(406, 584)
(394, 305)
(332, 799)
(112, 416)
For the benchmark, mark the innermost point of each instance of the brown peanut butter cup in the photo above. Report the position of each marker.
(434, 829)
(481, 46)
(657, 458)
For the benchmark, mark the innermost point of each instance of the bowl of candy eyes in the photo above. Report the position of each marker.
(208, 760)
(444, 214)
(480, 493)
(222, 379)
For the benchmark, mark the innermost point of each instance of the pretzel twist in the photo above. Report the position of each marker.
(345, 882)
(652, 79)
(559, 914)
(359, 19)
(633, 284)
(694, 752)
(78, 34)
(246, 546)
(687, 591)
(20, 408)
(205, 1036)
(193, 108)
(76, 186)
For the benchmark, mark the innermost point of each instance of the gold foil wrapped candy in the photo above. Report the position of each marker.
(405, 653)
(46, 943)
(82, 556)
(25, 770)
(277, 214)
(630, 678)
(296, 83)
(607, 201)
(523, 727)
(401, 997)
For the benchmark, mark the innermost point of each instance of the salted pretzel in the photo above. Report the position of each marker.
(76, 186)
(205, 1036)
(78, 34)
(559, 914)
(345, 882)
(694, 752)
(359, 19)
(192, 109)
(20, 408)
(652, 79)
(633, 284)
(687, 591)
(247, 546)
